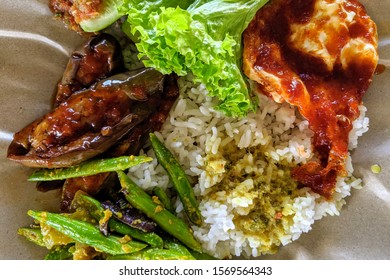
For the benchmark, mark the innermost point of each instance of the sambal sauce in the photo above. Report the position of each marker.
(319, 56)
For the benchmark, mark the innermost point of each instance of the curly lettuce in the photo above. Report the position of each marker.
(203, 39)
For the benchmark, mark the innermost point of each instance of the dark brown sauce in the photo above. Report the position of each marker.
(87, 111)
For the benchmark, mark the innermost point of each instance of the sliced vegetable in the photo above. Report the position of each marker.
(131, 217)
(165, 219)
(97, 211)
(164, 199)
(111, 10)
(33, 234)
(150, 238)
(87, 233)
(107, 14)
(90, 122)
(178, 178)
(98, 58)
(60, 253)
(154, 254)
(173, 251)
(88, 168)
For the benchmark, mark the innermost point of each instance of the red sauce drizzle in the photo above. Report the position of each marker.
(331, 104)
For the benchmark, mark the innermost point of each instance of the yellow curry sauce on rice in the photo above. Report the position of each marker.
(242, 173)
(263, 180)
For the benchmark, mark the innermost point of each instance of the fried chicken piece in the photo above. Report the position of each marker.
(320, 56)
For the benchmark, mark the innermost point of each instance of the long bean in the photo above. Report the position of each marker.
(171, 251)
(60, 253)
(202, 256)
(154, 254)
(33, 234)
(97, 211)
(178, 178)
(165, 219)
(163, 197)
(151, 238)
(87, 233)
(88, 168)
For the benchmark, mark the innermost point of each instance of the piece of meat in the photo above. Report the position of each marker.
(319, 56)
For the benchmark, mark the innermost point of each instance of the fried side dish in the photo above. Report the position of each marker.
(100, 109)
(319, 56)
(90, 121)
(71, 12)
(99, 58)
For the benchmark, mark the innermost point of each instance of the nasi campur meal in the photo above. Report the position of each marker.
(199, 129)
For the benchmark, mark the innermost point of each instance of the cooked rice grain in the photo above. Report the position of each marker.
(240, 169)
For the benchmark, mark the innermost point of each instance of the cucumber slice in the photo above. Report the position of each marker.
(108, 14)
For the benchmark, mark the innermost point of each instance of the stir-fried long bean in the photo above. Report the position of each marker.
(97, 211)
(151, 238)
(60, 253)
(165, 219)
(87, 233)
(154, 254)
(172, 250)
(33, 235)
(163, 197)
(129, 216)
(88, 168)
(178, 178)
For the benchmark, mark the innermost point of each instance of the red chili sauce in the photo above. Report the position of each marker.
(329, 100)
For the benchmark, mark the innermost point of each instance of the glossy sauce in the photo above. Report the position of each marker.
(89, 111)
(97, 59)
(327, 95)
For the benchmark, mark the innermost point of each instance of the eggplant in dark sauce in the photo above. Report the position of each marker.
(89, 122)
(100, 110)
(130, 216)
(99, 58)
(131, 144)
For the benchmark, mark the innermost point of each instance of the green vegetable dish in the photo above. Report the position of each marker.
(93, 231)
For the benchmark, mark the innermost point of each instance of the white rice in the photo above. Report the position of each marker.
(198, 136)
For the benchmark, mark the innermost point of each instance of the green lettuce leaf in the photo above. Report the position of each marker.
(202, 38)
